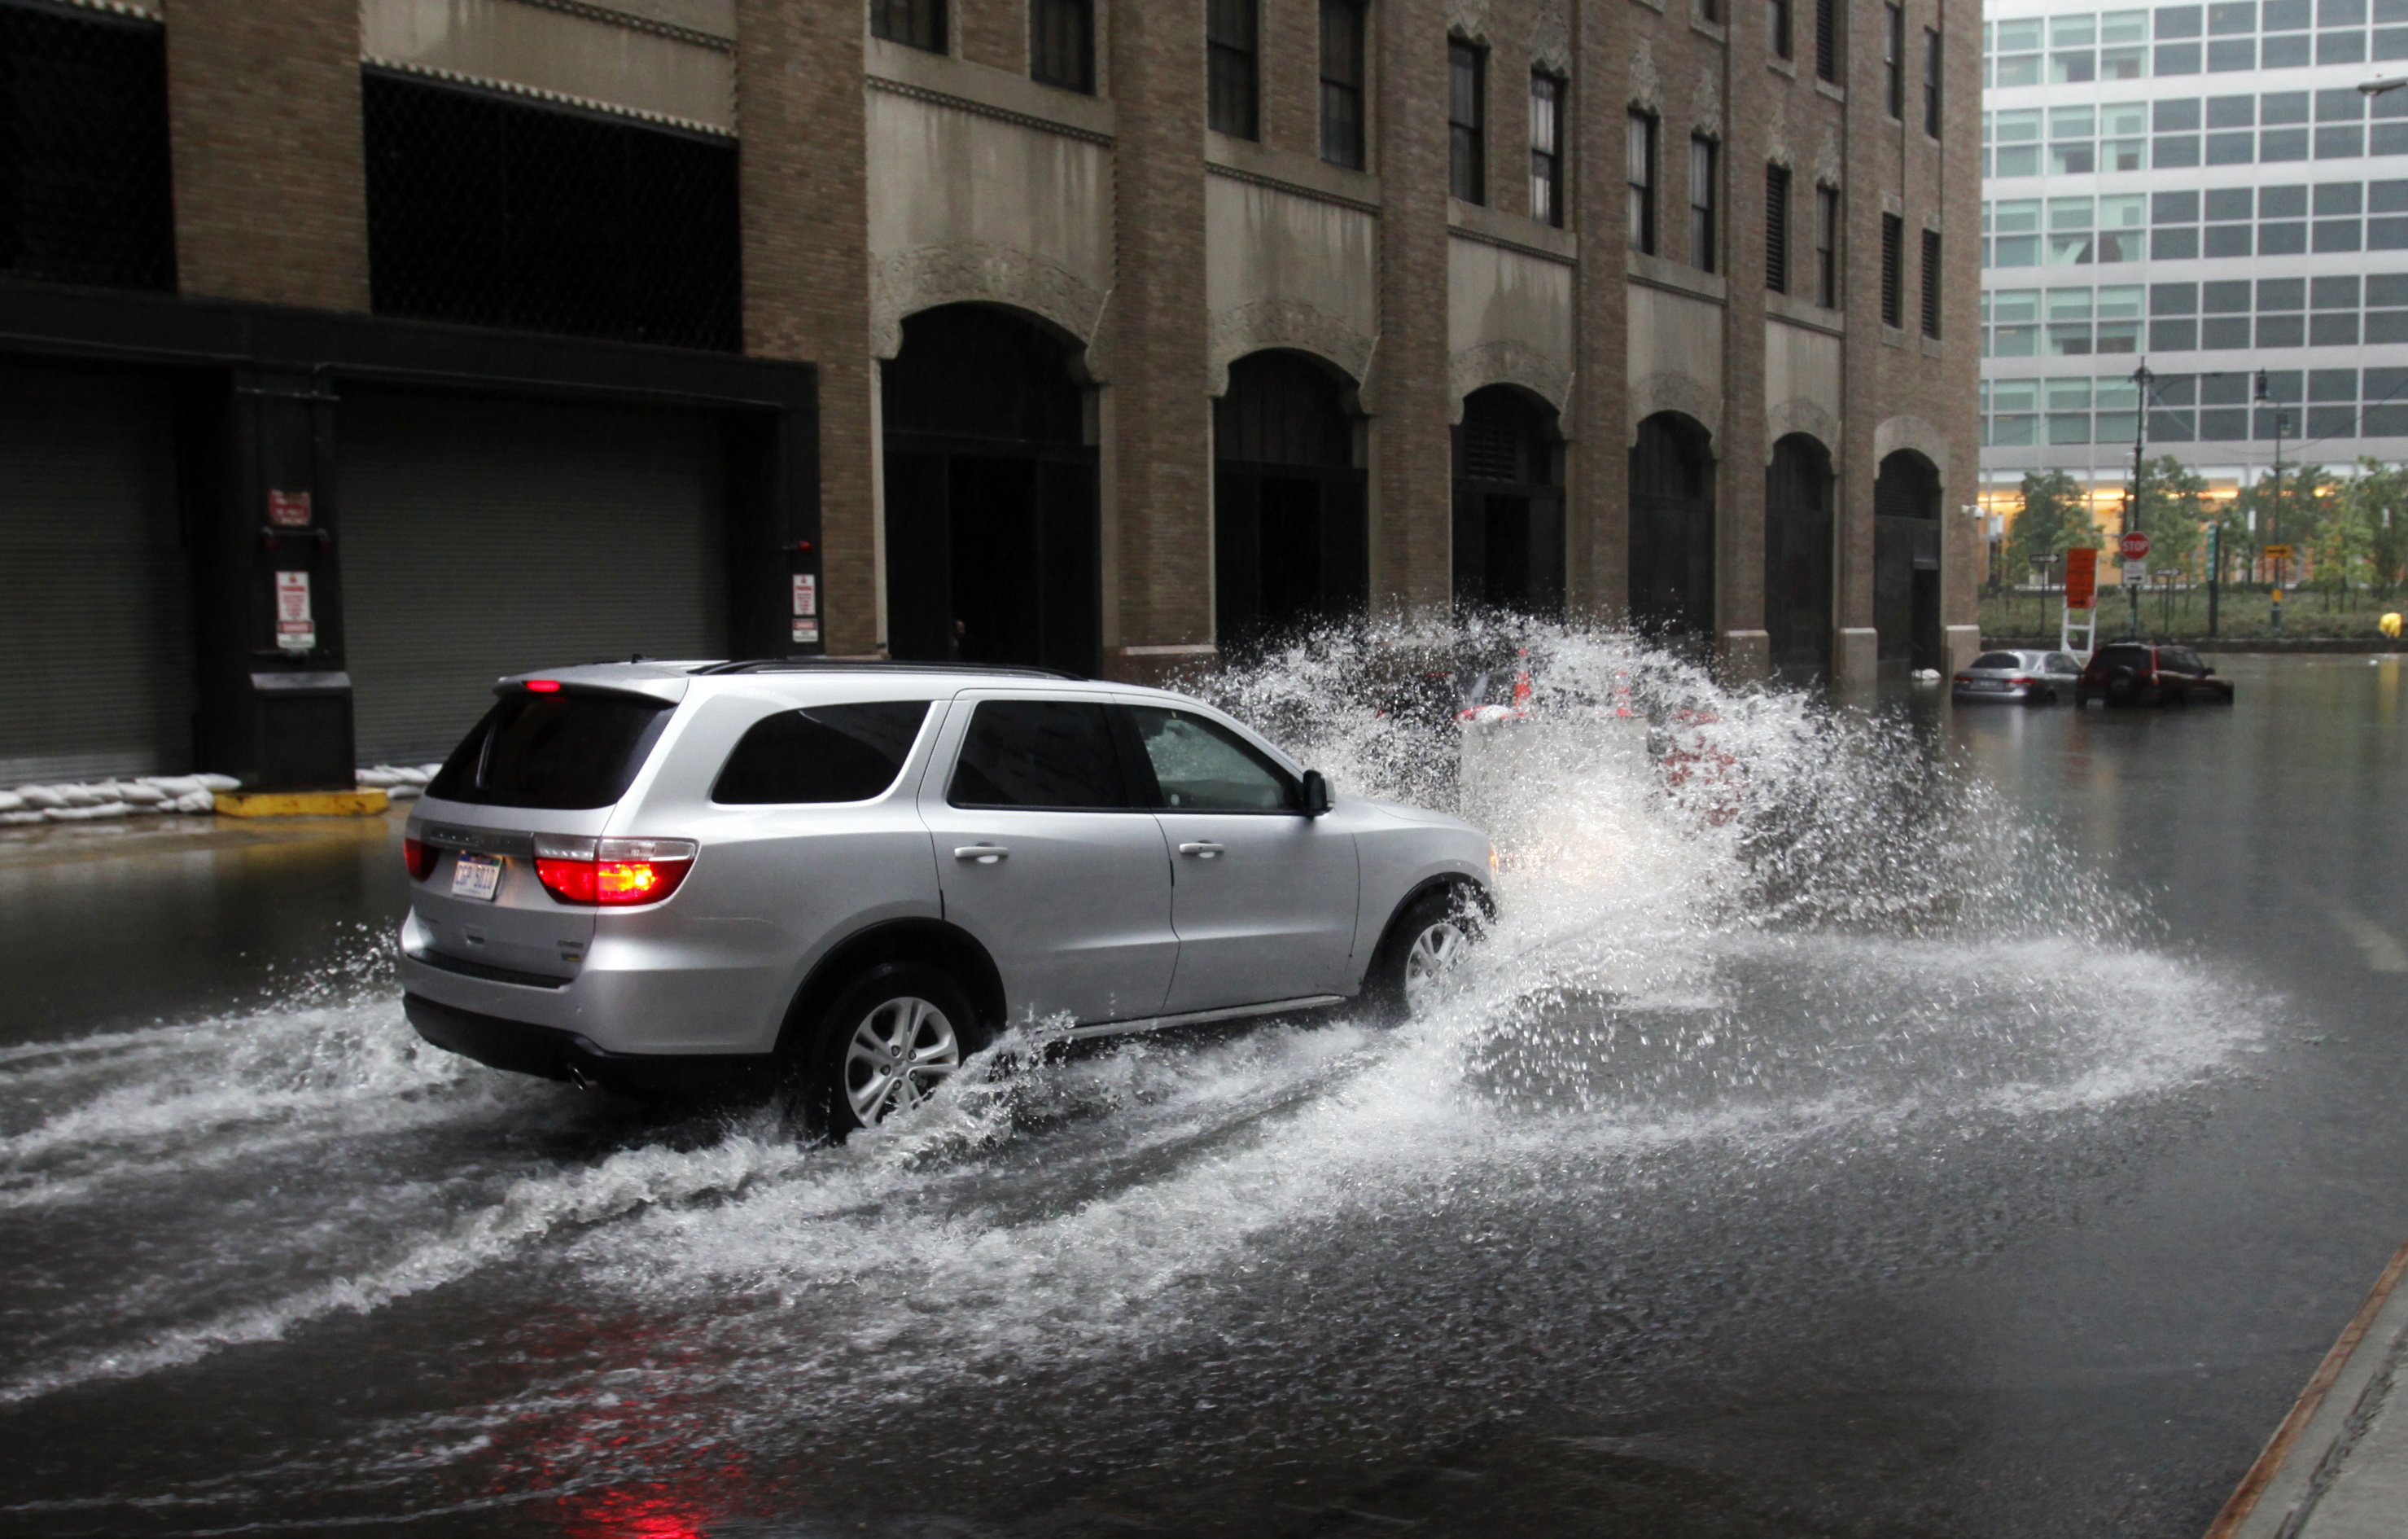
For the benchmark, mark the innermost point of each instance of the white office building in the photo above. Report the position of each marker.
(2208, 188)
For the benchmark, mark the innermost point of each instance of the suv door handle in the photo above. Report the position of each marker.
(985, 855)
(1203, 849)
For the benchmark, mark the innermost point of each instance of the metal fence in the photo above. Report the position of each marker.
(491, 211)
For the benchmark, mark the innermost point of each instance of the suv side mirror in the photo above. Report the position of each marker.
(2205, 669)
(1316, 794)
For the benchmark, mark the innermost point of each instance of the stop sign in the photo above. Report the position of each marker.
(2135, 546)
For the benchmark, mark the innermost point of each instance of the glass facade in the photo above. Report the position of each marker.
(2203, 187)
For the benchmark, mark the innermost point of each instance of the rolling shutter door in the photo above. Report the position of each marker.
(484, 537)
(93, 625)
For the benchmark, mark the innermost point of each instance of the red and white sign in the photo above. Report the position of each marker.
(2135, 546)
(807, 595)
(807, 632)
(295, 631)
(2081, 578)
(287, 510)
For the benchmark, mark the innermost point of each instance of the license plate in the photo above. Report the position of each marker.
(1988, 683)
(477, 876)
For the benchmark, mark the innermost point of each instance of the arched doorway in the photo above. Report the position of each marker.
(1290, 533)
(1906, 562)
(991, 500)
(1797, 563)
(1509, 505)
(1672, 529)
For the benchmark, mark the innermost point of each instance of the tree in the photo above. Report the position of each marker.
(2172, 509)
(2382, 510)
(2292, 512)
(2055, 517)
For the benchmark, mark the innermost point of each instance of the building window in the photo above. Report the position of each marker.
(920, 23)
(1893, 235)
(1342, 82)
(1546, 149)
(1931, 59)
(1827, 247)
(1776, 228)
(1931, 284)
(1641, 174)
(1776, 25)
(488, 210)
(1467, 120)
(1894, 59)
(1701, 203)
(1827, 40)
(1062, 43)
(1231, 40)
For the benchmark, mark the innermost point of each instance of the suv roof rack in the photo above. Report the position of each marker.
(846, 665)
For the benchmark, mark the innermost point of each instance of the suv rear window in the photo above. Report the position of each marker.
(567, 752)
(2125, 656)
(825, 753)
(1046, 754)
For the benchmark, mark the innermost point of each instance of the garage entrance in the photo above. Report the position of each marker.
(1509, 505)
(1672, 530)
(1291, 537)
(96, 629)
(1797, 559)
(1906, 562)
(482, 537)
(992, 513)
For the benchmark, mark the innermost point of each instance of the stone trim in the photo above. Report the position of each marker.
(1907, 432)
(146, 10)
(1671, 391)
(1646, 89)
(556, 98)
(907, 283)
(1662, 272)
(1513, 233)
(630, 21)
(1297, 189)
(1802, 416)
(1507, 361)
(1805, 314)
(1550, 41)
(1297, 324)
(1468, 21)
(986, 109)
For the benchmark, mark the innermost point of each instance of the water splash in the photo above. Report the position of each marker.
(1741, 926)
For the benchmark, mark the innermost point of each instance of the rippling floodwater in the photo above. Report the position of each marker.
(1758, 1044)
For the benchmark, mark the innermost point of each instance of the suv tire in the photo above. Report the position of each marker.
(884, 1044)
(1425, 941)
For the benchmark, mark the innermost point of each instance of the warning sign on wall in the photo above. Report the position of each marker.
(287, 510)
(807, 632)
(296, 629)
(807, 595)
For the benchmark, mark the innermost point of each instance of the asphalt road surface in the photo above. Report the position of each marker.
(2002, 1171)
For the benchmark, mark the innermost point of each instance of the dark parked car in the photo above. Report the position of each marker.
(2146, 674)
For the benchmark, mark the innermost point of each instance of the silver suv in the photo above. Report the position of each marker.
(688, 877)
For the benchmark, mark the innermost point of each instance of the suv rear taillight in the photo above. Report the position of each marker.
(419, 857)
(611, 872)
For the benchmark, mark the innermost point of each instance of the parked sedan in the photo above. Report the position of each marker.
(2146, 673)
(2023, 678)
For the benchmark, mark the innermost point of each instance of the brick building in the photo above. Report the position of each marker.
(352, 352)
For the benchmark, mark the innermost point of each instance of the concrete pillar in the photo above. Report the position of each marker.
(1408, 392)
(1744, 648)
(1597, 512)
(806, 223)
(1157, 342)
(264, 133)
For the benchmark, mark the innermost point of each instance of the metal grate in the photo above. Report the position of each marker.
(84, 190)
(1931, 284)
(494, 212)
(1776, 228)
(1893, 235)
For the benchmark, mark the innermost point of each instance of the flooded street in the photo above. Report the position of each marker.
(1924, 1123)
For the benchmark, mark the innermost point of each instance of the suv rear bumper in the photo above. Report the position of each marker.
(550, 1053)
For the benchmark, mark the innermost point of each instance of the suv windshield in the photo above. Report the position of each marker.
(566, 752)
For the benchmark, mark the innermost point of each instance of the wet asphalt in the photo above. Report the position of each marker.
(1803, 1235)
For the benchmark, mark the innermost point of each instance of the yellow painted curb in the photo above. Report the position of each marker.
(301, 804)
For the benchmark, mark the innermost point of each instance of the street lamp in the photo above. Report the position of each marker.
(2378, 86)
(2275, 511)
(2141, 380)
